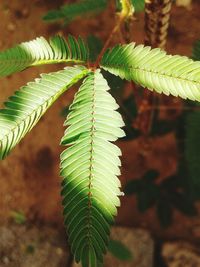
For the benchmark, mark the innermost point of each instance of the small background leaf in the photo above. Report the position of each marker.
(119, 250)
(196, 50)
(19, 217)
(71, 11)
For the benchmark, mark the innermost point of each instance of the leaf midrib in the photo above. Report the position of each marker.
(150, 71)
(42, 62)
(91, 160)
(50, 99)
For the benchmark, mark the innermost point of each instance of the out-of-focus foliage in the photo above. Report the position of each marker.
(137, 4)
(19, 217)
(72, 11)
(196, 51)
(119, 250)
(164, 196)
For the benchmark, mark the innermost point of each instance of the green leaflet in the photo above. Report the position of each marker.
(23, 110)
(40, 52)
(152, 68)
(89, 168)
(71, 11)
(196, 51)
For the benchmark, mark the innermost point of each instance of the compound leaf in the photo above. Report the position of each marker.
(23, 110)
(155, 70)
(89, 168)
(40, 52)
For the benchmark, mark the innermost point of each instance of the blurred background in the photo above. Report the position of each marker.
(159, 217)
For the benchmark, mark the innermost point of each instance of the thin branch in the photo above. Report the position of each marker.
(115, 29)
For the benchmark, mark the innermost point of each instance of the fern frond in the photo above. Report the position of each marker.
(23, 110)
(196, 51)
(40, 52)
(89, 168)
(154, 69)
(70, 12)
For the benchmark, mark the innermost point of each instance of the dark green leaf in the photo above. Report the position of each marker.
(71, 11)
(164, 212)
(151, 175)
(147, 197)
(196, 51)
(119, 250)
(133, 186)
(182, 202)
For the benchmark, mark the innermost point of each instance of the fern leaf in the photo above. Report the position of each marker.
(89, 167)
(196, 51)
(23, 110)
(70, 12)
(154, 69)
(40, 52)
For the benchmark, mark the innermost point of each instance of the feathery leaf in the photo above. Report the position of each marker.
(70, 12)
(40, 52)
(154, 69)
(89, 168)
(23, 110)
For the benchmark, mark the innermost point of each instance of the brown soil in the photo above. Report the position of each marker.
(29, 179)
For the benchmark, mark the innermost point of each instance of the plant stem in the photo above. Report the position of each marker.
(114, 30)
